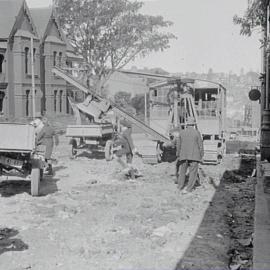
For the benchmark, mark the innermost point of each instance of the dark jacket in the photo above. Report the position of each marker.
(189, 145)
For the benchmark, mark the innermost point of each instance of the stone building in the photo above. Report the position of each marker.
(18, 24)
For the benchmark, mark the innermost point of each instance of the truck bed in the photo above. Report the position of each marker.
(16, 137)
(92, 130)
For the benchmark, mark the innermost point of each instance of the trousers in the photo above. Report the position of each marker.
(193, 172)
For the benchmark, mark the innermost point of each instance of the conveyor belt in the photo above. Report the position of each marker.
(153, 133)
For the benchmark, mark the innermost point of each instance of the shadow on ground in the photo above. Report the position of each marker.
(9, 243)
(92, 154)
(58, 168)
(11, 188)
(48, 186)
(222, 239)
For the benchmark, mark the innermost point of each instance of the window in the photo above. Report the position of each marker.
(206, 137)
(2, 96)
(27, 103)
(54, 58)
(60, 100)
(34, 55)
(67, 104)
(55, 101)
(1, 62)
(60, 59)
(26, 59)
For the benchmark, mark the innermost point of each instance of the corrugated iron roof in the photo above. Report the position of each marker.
(9, 9)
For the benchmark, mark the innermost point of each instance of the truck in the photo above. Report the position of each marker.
(20, 157)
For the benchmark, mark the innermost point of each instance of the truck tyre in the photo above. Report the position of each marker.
(108, 150)
(73, 145)
(35, 181)
(73, 151)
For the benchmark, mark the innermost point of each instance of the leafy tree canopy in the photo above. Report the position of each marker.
(137, 102)
(111, 33)
(253, 17)
(122, 98)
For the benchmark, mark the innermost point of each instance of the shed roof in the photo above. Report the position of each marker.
(9, 9)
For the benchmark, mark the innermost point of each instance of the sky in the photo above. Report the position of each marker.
(206, 37)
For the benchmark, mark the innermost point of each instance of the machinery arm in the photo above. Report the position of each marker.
(117, 110)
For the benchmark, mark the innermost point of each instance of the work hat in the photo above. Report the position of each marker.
(190, 121)
(125, 123)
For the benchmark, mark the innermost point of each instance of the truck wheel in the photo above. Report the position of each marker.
(159, 153)
(108, 150)
(35, 181)
(73, 151)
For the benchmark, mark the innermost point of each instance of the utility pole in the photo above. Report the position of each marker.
(33, 77)
(145, 107)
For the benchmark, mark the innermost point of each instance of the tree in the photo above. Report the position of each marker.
(122, 99)
(138, 103)
(110, 33)
(253, 18)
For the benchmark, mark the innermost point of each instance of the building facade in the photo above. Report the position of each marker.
(18, 25)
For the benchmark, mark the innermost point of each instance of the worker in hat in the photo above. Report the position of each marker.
(47, 137)
(126, 147)
(37, 122)
(189, 152)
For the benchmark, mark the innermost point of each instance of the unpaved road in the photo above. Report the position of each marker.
(90, 217)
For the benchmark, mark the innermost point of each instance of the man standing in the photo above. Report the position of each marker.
(127, 148)
(189, 152)
(46, 137)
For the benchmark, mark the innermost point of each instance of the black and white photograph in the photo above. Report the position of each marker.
(134, 134)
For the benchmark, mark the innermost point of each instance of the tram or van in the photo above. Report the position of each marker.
(210, 105)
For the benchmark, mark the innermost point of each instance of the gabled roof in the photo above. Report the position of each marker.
(9, 9)
(41, 18)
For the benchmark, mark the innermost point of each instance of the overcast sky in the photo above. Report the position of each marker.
(207, 37)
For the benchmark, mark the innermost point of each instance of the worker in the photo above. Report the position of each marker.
(47, 137)
(189, 152)
(37, 123)
(126, 147)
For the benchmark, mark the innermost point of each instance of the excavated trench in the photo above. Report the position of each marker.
(224, 239)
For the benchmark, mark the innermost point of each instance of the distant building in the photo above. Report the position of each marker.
(247, 114)
(18, 24)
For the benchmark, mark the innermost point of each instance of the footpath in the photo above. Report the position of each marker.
(261, 253)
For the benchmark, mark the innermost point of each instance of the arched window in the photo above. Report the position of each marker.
(34, 55)
(1, 62)
(2, 96)
(60, 59)
(60, 100)
(27, 102)
(54, 58)
(55, 100)
(26, 59)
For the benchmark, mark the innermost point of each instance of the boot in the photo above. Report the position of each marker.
(49, 170)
